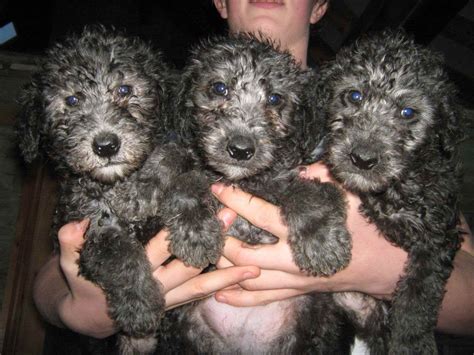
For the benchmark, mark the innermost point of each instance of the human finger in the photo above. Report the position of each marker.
(256, 210)
(157, 249)
(208, 283)
(268, 256)
(316, 170)
(71, 239)
(223, 262)
(174, 274)
(276, 279)
(244, 298)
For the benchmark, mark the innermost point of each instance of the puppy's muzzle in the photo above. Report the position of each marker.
(363, 159)
(106, 145)
(241, 148)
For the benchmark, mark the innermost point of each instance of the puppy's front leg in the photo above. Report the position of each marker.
(417, 299)
(316, 216)
(189, 212)
(115, 260)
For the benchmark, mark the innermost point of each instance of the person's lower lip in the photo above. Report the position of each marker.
(266, 5)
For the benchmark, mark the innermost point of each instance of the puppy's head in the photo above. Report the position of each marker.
(94, 107)
(390, 109)
(242, 101)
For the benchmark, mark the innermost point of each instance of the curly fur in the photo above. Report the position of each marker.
(393, 131)
(244, 107)
(97, 109)
(245, 139)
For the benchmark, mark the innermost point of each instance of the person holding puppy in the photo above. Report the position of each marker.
(252, 276)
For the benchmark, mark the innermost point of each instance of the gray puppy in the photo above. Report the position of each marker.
(247, 115)
(97, 109)
(246, 110)
(393, 130)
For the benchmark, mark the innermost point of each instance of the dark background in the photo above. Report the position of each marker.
(174, 25)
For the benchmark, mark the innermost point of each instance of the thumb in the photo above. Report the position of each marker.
(71, 239)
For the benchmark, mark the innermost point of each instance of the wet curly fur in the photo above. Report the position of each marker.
(96, 108)
(246, 110)
(393, 130)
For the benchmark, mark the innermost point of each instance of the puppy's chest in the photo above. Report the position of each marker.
(412, 212)
(124, 200)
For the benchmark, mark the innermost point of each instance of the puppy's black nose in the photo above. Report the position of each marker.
(106, 145)
(241, 148)
(363, 160)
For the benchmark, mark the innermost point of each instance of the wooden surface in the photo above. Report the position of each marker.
(22, 330)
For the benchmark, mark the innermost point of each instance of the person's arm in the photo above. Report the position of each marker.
(67, 300)
(375, 267)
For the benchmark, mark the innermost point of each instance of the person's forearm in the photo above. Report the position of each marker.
(457, 311)
(56, 304)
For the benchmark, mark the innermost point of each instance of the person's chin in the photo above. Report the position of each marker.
(266, 26)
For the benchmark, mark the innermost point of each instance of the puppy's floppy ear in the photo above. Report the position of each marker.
(30, 120)
(451, 117)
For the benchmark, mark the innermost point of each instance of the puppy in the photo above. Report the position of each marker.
(393, 131)
(245, 108)
(97, 109)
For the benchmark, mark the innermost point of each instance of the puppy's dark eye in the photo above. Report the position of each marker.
(124, 90)
(355, 96)
(274, 99)
(220, 88)
(407, 112)
(72, 100)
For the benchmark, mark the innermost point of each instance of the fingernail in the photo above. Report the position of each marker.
(217, 188)
(82, 225)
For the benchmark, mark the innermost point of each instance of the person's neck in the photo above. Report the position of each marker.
(299, 50)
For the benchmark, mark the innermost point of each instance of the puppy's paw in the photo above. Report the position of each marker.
(323, 253)
(316, 217)
(197, 244)
(116, 261)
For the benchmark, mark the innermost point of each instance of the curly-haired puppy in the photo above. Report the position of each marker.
(244, 105)
(96, 108)
(392, 139)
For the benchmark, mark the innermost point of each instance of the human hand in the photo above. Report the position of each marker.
(375, 266)
(83, 307)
